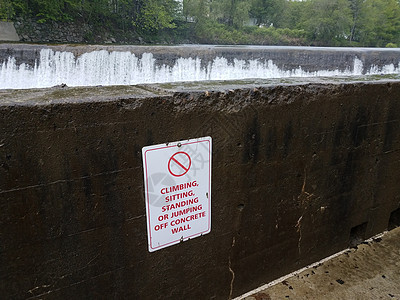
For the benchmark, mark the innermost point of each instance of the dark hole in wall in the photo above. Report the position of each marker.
(394, 220)
(357, 234)
(240, 207)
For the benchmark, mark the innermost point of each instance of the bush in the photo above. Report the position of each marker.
(391, 45)
(215, 33)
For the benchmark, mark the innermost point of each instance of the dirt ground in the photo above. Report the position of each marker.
(370, 270)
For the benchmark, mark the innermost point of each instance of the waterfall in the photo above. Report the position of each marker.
(125, 68)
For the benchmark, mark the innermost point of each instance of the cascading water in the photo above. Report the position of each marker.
(125, 68)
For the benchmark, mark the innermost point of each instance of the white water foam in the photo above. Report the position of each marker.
(125, 68)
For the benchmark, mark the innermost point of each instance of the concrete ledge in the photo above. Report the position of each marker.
(8, 32)
(369, 271)
(300, 171)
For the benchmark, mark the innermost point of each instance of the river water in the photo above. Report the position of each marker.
(108, 67)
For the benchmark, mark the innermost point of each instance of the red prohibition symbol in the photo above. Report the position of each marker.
(181, 162)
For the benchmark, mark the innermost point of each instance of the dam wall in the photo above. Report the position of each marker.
(300, 171)
(38, 66)
(310, 58)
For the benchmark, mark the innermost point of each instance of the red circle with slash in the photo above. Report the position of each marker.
(181, 162)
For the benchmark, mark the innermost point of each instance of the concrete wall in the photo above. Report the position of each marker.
(8, 32)
(300, 171)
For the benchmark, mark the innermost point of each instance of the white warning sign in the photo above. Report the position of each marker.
(177, 181)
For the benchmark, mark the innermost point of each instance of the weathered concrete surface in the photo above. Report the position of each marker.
(300, 171)
(310, 59)
(8, 32)
(368, 272)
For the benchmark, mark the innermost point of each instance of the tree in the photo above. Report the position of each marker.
(268, 12)
(355, 6)
(294, 15)
(156, 14)
(196, 10)
(328, 21)
(231, 12)
(127, 12)
(380, 23)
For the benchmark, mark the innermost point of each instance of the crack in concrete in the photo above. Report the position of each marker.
(63, 181)
(303, 190)
(135, 218)
(38, 287)
(304, 198)
(230, 269)
(298, 226)
(76, 283)
(233, 278)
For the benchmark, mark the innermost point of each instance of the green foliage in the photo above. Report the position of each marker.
(391, 45)
(328, 21)
(55, 10)
(196, 10)
(267, 12)
(294, 15)
(355, 6)
(380, 22)
(231, 12)
(156, 15)
(318, 22)
(6, 10)
(216, 33)
(292, 33)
